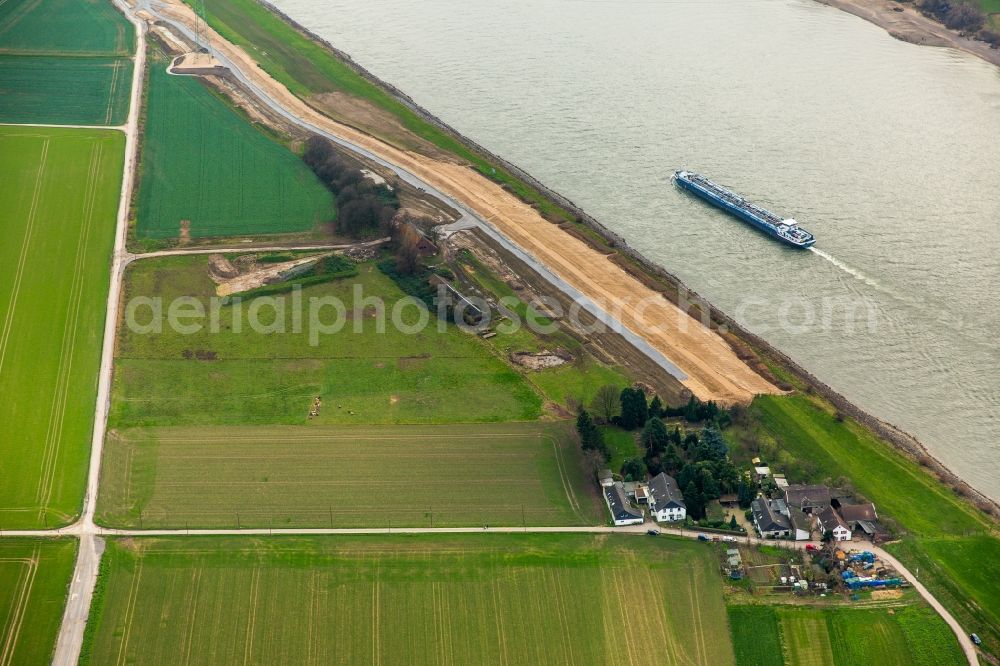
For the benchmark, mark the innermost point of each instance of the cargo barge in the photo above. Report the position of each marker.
(785, 230)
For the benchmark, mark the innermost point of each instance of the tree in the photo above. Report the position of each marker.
(711, 445)
(407, 252)
(733, 525)
(675, 436)
(694, 501)
(634, 410)
(744, 492)
(671, 461)
(606, 404)
(964, 17)
(709, 486)
(691, 410)
(690, 441)
(590, 437)
(655, 436)
(656, 407)
(633, 470)
(828, 536)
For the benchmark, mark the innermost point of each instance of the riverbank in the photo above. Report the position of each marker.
(909, 25)
(606, 250)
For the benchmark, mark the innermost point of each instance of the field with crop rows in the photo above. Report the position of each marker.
(64, 27)
(205, 165)
(59, 191)
(458, 599)
(64, 91)
(346, 476)
(366, 372)
(33, 579)
(904, 635)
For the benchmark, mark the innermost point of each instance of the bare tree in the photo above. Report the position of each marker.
(606, 403)
(408, 251)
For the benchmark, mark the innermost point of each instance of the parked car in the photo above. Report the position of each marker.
(811, 548)
(975, 639)
(653, 532)
(730, 539)
(702, 537)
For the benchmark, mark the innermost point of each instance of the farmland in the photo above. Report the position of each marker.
(59, 191)
(64, 27)
(361, 374)
(64, 91)
(33, 579)
(204, 165)
(346, 476)
(64, 62)
(908, 635)
(462, 599)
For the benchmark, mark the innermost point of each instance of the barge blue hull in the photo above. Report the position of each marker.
(741, 211)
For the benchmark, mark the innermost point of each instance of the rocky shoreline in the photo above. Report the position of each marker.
(671, 286)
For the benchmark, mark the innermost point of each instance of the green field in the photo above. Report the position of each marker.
(462, 599)
(947, 539)
(756, 635)
(898, 486)
(307, 69)
(257, 378)
(64, 27)
(205, 164)
(64, 91)
(59, 191)
(903, 635)
(34, 575)
(346, 476)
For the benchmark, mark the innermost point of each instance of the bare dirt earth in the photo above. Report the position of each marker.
(911, 26)
(713, 369)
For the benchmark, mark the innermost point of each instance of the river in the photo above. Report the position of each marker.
(886, 151)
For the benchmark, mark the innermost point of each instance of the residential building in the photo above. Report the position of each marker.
(665, 499)
(830, 521)
(768, 519)
(761, 472)
(864, 519)
(801, 524)
(622, 511)
(806, 498)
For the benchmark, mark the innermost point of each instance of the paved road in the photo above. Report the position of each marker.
(88, 558)
(467, 215)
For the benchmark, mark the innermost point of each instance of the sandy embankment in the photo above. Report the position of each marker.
(714, 371)
(911, 26)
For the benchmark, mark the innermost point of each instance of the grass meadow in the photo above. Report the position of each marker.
(34, 575)
(308, 69)
(204, 164)
(947, 539)
(64, 27)
(907, 635)
(457, 599)
(64, 91)
(363, 376)
(346, 476)
(59, 191)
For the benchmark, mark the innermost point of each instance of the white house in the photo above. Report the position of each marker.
(622, 513)
(830, 521)
(665, 499)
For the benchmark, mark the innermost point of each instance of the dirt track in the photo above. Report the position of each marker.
(714, 371)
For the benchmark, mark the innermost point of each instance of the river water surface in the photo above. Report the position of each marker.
(888, 152)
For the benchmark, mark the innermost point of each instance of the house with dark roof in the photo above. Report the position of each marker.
(830, 521)
(665, 499)
(768, 519)
(862, 518)
(622, 511)
(801, 524)
(807, 498)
